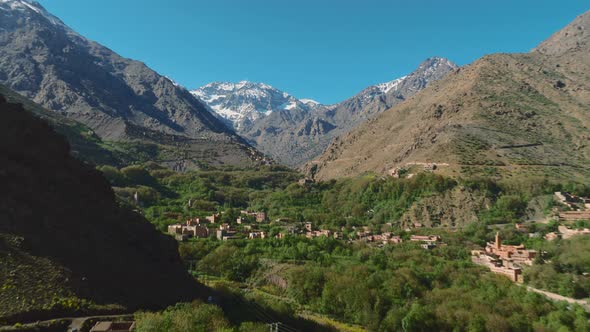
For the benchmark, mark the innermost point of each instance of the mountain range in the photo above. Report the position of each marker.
(295, 131)
(125, 103)
(119, 99)
(504, 115)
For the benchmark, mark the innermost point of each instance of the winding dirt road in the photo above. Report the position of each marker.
(556, 297)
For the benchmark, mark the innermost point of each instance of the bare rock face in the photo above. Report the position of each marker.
(504, 115)
(64, 237)
(46, 61)
(314, 128)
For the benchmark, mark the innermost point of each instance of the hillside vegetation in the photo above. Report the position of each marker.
(167, 197)
(395, 288)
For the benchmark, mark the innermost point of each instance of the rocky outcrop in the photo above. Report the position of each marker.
(314, 128)
(575, 36)
(453, 208)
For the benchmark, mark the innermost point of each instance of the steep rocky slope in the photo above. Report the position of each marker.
(572, 38)
(120, 99)
(65, 244)
(503, 115)
(295, 131)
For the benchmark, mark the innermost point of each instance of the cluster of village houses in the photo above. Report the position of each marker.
(197, 228)
(504, 259)
(509, 260)
(579, 210)
(366, 235)
(427, 241)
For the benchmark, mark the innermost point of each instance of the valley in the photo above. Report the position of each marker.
(450, 198)
(294, 131)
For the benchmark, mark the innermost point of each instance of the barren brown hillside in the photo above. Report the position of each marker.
(503, 115)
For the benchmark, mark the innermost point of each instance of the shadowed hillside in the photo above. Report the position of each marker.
(66, 247)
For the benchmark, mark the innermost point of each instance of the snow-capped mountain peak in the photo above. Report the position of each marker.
(29, 6)
(245, 101)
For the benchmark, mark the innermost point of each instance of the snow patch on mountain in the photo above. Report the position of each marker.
(388, 86)
(309, 102)
(30, 6)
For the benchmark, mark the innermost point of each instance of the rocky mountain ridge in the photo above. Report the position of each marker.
(120, 99)
(502, 116)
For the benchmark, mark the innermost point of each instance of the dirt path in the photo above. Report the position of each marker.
(78, 322)
(556, 297)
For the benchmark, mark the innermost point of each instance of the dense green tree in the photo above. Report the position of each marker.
(113, 175)
(306, 283)
(138, 175)
(183, 317)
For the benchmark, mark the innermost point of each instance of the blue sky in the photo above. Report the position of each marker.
(326, 50)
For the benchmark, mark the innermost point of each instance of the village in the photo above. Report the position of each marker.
(504, 259)
(210, 227)
(507, 260)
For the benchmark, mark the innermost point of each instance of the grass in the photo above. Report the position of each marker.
(327, 321)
